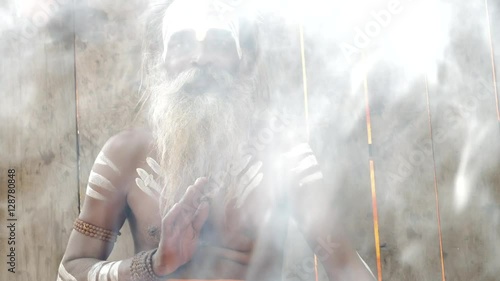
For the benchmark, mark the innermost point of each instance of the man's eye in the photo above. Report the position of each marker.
(181, 45)
(221, 44)
(177, 45)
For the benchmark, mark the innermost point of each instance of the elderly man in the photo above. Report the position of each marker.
(209, 192)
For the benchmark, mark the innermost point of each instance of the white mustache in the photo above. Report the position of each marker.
(222, 79)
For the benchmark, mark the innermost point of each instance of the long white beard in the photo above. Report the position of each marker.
(198, 135)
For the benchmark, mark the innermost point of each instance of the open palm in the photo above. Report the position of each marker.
(181, 228)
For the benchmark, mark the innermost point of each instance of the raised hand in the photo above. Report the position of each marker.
(181, 228)
(304, 165)
(249, 176)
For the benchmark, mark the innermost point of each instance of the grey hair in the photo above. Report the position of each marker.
(152, 49)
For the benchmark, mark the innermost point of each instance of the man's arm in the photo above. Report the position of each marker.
(104, 212)
(105, 209)
(312, 208)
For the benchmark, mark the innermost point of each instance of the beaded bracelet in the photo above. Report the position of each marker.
(94, 231)
(141, 268)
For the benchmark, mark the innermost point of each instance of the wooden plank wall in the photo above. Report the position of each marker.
(467, 158)
(107, 59)
(435, 139)
(402, 157)
(38, 137)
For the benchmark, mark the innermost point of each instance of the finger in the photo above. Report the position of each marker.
(201, 180)
(211, 189)
(311, 178)
(207, 189)
(297, 152)
(255, 182)
(250, 174)
(188, 201)
(189, 219)
(193, 196)
(306, 176)
(201, 217)
(240, 165)
(307, 171)
(308, 162)
(184, 220)
(295, 156)
(170, 218)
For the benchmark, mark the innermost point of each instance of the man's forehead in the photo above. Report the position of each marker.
(212, 34)
(199, 16)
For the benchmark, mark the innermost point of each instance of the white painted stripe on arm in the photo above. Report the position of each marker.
(104, 272)
(113, 273)
(64, 274)
(95, 194)
(105, 161)
(101, 181)
(93, 273)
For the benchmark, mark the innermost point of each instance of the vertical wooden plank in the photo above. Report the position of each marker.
(493, 10)
(466, 141)
(338, 128)
(338, 137)
(108, 61)
(402, 146)
(289, 50)
(38, 135)
(404, 176)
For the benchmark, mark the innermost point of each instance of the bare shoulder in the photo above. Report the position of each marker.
(130, 146)
(132, 140)
(111, 178)
(117, 162)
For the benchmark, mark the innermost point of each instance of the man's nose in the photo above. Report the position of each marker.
(201, 56)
